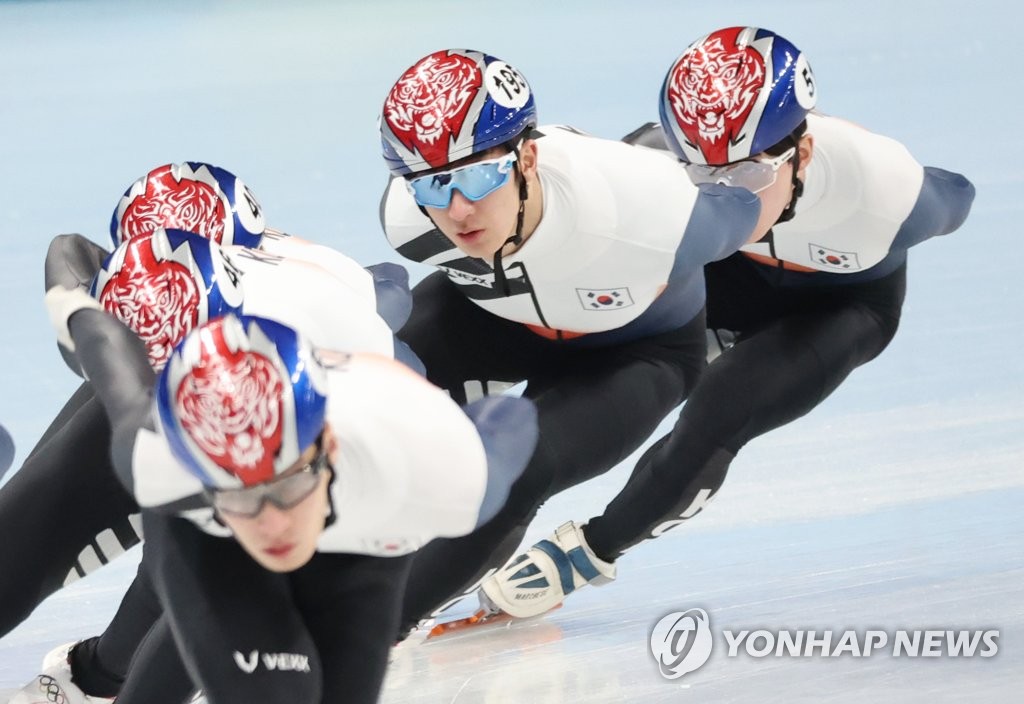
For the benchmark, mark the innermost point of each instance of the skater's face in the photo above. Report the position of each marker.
(776, 197)
(285, 539)
(480, 227)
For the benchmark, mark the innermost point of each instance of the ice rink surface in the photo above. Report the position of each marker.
(896, 505)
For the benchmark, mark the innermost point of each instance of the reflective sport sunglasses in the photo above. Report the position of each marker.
(284, 492)
(474, 181)
(753, 174)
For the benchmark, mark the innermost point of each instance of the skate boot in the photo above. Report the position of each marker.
(54, 683)
(537, 580)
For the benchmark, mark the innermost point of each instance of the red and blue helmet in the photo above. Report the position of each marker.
(194, 197)
(165, 283)
(240, 400)
(733, 94)
(449, 105)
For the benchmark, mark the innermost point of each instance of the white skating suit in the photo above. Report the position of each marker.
(601, 315)
(385, 285)
(866, 201)
(617, 254)
(345, 268)
(334, 307)
(819, 296)
(410, 465)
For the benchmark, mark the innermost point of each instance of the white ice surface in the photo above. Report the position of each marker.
(894, 505)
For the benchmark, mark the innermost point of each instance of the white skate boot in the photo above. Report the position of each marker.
(539, 579)
(54, 683)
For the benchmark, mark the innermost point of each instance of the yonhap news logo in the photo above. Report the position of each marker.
(682, 642)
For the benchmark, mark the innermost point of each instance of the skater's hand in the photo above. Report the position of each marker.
(61, 304)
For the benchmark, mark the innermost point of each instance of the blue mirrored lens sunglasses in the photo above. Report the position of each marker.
(473, 181)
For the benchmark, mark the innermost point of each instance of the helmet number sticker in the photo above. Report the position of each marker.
(803, 84)
(234, 274)
(230, 282)
(506, 85)
(250, 200)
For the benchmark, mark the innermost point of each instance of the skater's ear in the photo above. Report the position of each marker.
(330, 445)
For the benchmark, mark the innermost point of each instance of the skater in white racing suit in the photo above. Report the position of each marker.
(569, 262)
(816, 293)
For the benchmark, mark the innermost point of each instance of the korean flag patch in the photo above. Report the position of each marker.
(604, 298)
(833, 258)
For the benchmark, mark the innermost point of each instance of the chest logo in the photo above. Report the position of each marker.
(604, 298)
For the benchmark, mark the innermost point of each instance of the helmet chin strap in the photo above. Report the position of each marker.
(798, 189)
(332, 515)
(500, 281)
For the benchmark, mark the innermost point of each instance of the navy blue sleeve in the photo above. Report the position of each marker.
(394, 300)
(722, 221)
(394, 305)
(508, 429)
(405, 355)
(942, 206)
